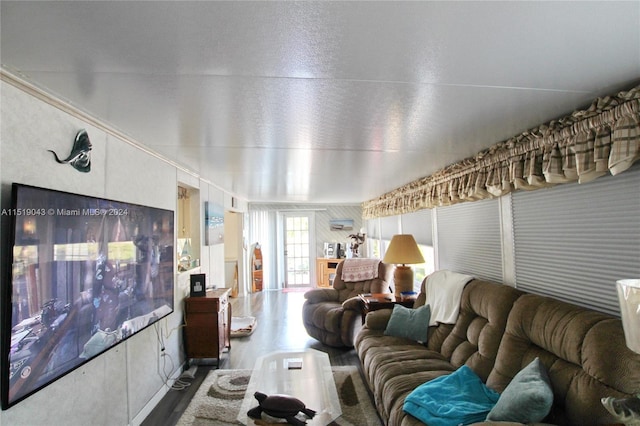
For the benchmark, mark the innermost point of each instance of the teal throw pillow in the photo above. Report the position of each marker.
(409, 323)
(527, 399)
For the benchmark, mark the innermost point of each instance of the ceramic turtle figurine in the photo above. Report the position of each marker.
(280, 406)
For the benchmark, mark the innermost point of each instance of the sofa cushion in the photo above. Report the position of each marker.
(347, 290)
(584, 352)
(476, 335)
(527, 398)
(457, 398)
(410, 323)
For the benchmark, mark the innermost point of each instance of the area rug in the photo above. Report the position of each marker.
(217, 401)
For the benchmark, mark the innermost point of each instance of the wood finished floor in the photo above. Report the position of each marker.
(279, 317)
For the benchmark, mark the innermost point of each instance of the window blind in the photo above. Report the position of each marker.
(373, 228)
(419, 225)
(469, 239)
(574, 241)
(389, 226)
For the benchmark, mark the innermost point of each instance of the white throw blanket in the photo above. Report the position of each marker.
(443, 291)
(359, 269)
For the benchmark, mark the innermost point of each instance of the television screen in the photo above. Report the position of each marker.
(86, 273)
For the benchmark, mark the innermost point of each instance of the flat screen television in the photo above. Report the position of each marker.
(85, 274)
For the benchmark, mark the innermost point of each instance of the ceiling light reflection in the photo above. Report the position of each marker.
(299, 173)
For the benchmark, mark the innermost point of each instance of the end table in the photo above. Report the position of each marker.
(374, 301)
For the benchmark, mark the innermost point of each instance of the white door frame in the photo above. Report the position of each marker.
(282, 269)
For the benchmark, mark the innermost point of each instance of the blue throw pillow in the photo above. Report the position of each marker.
(457, 398)
(527, 399)
(409, 323)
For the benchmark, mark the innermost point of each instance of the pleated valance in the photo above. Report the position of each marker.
(605, 138)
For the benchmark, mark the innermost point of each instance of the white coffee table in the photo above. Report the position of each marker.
(305, 375)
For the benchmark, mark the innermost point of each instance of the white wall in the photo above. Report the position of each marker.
(122, 385)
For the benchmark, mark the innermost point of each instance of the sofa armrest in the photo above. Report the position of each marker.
(353, 303)
(318, 295)
(377, 320)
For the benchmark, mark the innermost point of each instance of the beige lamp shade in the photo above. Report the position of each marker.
(629, 298)
(403, 249)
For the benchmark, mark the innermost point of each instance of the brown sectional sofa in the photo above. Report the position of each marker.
(499, 331)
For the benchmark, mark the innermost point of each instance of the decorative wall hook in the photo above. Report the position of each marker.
(80, 157)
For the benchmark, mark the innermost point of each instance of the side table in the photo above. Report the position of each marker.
(207, 330)
(374, 301)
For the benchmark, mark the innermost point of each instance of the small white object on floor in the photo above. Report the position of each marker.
(242, 326)
(191, 372)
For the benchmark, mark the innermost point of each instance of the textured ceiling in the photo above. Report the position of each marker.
(327, 102)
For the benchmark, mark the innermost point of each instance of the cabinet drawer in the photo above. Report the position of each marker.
(202, 305)
(214, 301)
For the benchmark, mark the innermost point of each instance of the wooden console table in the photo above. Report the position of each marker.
(207, 328)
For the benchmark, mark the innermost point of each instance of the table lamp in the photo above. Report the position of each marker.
(627, 410)
(629, 298)
(403, 250)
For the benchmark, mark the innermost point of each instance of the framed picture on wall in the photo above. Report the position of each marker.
(341, 224)
(213, 223)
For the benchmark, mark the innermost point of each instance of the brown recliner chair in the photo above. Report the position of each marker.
(334, 315)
